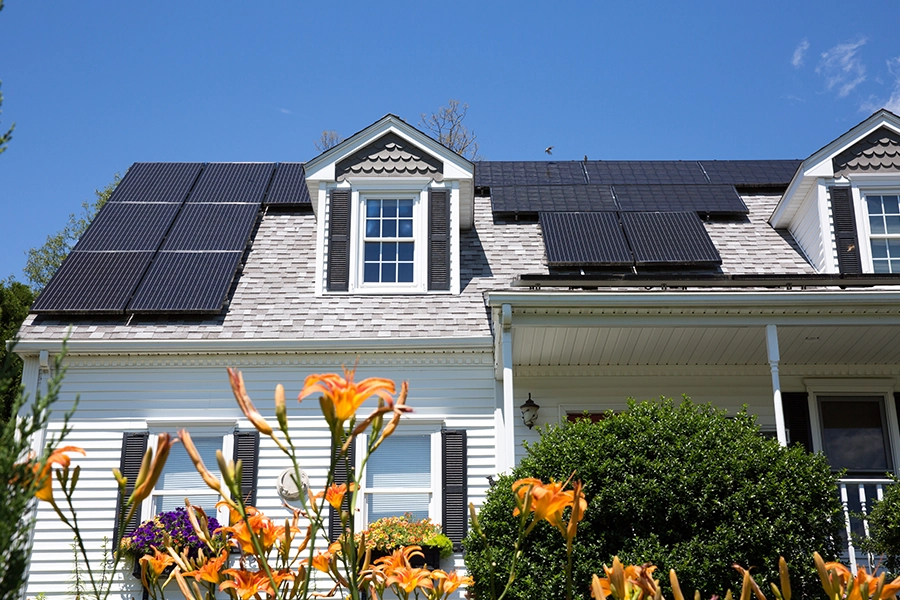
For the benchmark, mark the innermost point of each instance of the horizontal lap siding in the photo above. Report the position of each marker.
(116, 399)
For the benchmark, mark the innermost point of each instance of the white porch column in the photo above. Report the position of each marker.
(774, 357)
(509, 425)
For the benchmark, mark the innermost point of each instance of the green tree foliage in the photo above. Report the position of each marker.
(884, 528)
(42, 262)
(676, 485)
(15, 300)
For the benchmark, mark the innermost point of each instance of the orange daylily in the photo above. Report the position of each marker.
(342, 397)
(45, 477)
(155, 563)
(334, 495)
(243, 400)
(265, 529)
(250, 583)
(621, 582)
(211, 571)
(408, 579)
(447, 583)
(548, 500)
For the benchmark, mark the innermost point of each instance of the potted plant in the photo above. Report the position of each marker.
(390, 533)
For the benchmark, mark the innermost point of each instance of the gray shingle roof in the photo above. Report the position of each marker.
(274, 297)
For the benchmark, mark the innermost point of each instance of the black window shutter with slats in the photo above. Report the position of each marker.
(338, 278)
(246, 449)
(438, 239)
(341, 475)
(796, 418)
(134, 445)
(455, 520)
(845, 230)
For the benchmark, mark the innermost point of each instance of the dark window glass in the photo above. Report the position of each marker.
(854, 435)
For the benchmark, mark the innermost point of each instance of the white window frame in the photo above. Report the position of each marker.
(201, 429)
(883, 388)
(869, 185)
(436, 503)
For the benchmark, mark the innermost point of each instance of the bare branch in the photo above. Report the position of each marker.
(329, 139)
(446, 126)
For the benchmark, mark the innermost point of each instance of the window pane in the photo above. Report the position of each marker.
(373, 228)
(879, 249)
(389, 273)
(405, 273)
(389, 208)
(372, 251)
(389, 228)
(373, 208)
(167, 503)
(405, 208)
(890, 205)
(853, 434)
(396, 505)
(406, 228)
(401, 461)
(893, 224)
(179, 472)
(405, 251)
(876, 224)
(389, 251)
(881, 266)
(370, 273)
(874, 205)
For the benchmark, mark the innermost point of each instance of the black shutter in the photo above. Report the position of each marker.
(845, 230)
(438, 239)
(796, 417)
(246, 449)
(897, 405)
(455, 486)
(341, 475)
(134, 445)
(339, 242)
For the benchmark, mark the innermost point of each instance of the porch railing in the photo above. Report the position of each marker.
(857, 496)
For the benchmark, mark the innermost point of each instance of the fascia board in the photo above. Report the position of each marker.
(422, 345)
(819, 164)
(322, 167)
(799, 302)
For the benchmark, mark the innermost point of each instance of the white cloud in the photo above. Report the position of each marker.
(842, 67)
(800, 53)
(284, 111)
(893, 102)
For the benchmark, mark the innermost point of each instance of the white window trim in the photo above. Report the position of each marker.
(854, 387)
(419, 238)
(199, 429)
(437, 500)
(862, 186)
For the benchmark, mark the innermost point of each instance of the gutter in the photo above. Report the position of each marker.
(665, 281)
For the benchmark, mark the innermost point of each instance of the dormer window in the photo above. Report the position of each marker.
(389, 241)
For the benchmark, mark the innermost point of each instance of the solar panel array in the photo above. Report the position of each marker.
(170, 238)
(707, 187)
(620, 239)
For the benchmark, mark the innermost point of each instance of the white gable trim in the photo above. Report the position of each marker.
(820, 165)
(321, 168)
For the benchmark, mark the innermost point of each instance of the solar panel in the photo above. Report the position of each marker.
(123, 226)
(156, 182)
(99, 282)
(288, 186)
(659, 172)
(213, 226)
(232, 182)
(713, 199)
(518, 173)
(751, 172)
(669, 238)
(537, 198)
(193, 282)
(584, 239)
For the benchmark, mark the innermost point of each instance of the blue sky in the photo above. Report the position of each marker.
(96, 86)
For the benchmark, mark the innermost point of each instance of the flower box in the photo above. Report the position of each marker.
(432, 557)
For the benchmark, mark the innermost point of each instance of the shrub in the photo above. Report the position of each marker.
(679, 486)
(884, 528)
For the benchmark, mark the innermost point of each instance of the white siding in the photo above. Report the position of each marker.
(120, 395)
(807, 231)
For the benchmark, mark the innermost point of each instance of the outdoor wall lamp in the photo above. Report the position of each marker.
(529, 412)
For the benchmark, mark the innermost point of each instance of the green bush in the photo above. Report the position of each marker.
(884, 528)
(679, 486)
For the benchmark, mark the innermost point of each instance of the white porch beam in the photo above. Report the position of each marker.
(774, 358)
(509, 426)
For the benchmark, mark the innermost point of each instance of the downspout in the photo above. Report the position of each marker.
(509, 435)
(774, 357)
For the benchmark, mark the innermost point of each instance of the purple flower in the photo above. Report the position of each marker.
(178, 526)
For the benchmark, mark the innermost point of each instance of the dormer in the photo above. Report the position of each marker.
(390, 203)
(843, 204)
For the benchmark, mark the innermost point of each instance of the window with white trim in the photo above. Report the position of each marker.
(403, 476)
(388, 241)
(854, 432)
(883, 212)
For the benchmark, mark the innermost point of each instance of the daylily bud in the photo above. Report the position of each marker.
(226, 468)
(120, 479)
(243, 400)
(281, 408)
(149, 475)
(208, 478)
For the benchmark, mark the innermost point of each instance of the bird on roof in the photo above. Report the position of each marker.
(549, 150)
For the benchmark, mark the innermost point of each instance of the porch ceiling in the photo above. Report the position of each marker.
(703, 345)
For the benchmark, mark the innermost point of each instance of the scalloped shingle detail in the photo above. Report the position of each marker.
(878, 151)
(390, 156)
